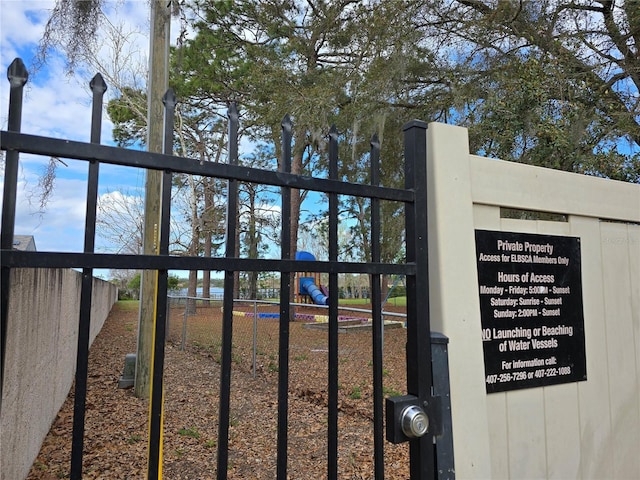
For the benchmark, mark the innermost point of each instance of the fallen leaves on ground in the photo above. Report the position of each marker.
(115, 442)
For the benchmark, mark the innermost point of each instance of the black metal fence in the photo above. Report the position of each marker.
(425, 461)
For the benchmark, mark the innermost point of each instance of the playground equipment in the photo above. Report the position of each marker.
(318, 297)
(309, 287)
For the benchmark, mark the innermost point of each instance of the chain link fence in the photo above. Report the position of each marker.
(195, 325)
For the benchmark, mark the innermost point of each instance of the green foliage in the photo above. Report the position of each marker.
(390, 392)
(128, 112)
(173, 283)
(356, 393)
(398, 291)
(189, 432)
(134, 283)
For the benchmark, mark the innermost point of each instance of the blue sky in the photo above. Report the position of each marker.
(59, 105)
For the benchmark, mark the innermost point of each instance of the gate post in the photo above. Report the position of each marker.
(419, 378)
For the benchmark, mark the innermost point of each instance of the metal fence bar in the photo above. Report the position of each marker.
(285, 308)
(157, 161)
(154, 468)
(18, 76)
(98, 87)
(332, 430)
(227, 315)
(377, 325)
(15, 259)
(156, 407)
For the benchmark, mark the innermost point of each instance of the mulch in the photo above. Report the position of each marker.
(115, 444)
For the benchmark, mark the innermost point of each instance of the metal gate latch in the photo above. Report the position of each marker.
(405, 419)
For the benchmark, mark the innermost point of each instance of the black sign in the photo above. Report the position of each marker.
(531, 309)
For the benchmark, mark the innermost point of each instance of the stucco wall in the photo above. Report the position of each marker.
(40, 364)
(587, 429)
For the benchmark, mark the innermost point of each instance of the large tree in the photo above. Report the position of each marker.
(551, 82)
(324, 63)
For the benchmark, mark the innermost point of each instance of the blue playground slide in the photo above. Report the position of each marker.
(316, 294)
(319, 297)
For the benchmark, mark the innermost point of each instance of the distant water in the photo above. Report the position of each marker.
(213, 292)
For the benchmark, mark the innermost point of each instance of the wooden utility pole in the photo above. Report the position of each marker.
(157, 86)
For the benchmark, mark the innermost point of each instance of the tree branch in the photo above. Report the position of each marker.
(612, 102)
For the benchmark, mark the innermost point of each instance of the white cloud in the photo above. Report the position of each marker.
(61, 228)
(60, 109)
(21, 25)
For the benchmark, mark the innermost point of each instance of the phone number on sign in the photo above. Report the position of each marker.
(518, 376)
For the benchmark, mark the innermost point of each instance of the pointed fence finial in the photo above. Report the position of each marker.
(375, 141)
(98, 87)
(333, 153)
(169, 99)
(17, 73)
(97, 84)
(234, 121)
(287, 124)
(232, 112)
(285, 155)
(169, 102)
(375, 160)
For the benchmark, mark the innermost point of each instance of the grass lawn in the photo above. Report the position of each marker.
(395, 301)
(129, 305)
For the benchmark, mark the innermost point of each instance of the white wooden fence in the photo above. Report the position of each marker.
(586, 429)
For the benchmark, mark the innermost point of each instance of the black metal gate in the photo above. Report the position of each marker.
(421, 417)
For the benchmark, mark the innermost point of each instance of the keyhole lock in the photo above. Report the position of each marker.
(414, 422)
(406, 419)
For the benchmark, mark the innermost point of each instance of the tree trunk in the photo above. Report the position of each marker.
(190, 304)
(384, 287)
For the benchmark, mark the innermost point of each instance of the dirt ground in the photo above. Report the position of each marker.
(116, 421)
